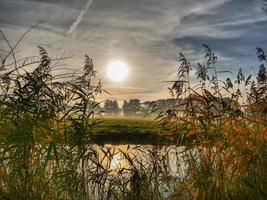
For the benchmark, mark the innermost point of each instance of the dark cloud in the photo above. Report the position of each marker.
(241, 46)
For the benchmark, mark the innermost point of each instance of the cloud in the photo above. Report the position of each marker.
(148, 35)
(80, 17)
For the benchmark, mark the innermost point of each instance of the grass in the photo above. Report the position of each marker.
(120, 130)
(126, 126)
(139, 131)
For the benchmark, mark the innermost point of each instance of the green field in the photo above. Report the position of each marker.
(119, 130)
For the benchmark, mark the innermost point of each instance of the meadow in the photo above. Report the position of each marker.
(216, 135)
(121, 130)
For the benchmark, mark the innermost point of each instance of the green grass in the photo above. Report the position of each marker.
(124, 125)
(120, 130)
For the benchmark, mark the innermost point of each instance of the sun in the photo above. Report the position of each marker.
(117, 71)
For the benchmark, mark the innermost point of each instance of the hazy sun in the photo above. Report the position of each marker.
(117, 71)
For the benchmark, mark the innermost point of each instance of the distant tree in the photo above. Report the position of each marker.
(154, 107)
(135, 105)
(108, 106)
(166, 102)
(125, 108)
(131, 108)
(116, 108)
(112, 107)
(148, 107)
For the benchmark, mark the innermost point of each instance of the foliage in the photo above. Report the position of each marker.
(132, 107)
(112, 107)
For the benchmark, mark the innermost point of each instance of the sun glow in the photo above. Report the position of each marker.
(117, 161)
(117, 71)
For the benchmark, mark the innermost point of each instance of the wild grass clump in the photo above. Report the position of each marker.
(45, 121)
(227, 121)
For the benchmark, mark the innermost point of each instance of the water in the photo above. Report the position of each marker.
(121, 162)
(169, 158)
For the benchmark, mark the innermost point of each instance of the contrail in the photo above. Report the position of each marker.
(80, 17)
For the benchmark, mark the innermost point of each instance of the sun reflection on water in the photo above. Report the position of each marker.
(118, 161)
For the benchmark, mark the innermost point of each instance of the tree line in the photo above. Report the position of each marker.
(135, 107)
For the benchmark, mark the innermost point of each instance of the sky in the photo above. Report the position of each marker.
(148, 35)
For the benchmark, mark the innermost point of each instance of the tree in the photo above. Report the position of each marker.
(148, 107)
(131, 108)
(112, 107)
(116, 108)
